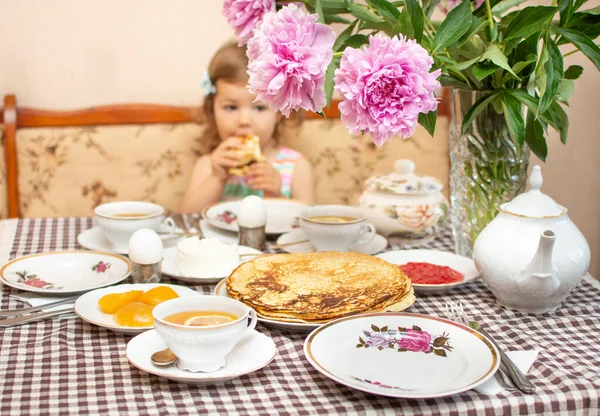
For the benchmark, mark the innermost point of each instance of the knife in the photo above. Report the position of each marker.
(520, 379)
(5, 323)
(23, 311)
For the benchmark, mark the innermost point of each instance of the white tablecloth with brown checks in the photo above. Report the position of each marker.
(69, 366)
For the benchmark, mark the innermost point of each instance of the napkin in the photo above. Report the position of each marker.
(522, 359)
(36, 300)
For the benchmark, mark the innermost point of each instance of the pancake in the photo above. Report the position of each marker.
(318, 287)
(249, 154)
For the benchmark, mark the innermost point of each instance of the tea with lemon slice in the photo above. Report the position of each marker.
(201, 318)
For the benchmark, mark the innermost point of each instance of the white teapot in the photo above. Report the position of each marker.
(410, 206)
(532, 255)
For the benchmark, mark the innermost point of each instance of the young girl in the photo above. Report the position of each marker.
(231, 112)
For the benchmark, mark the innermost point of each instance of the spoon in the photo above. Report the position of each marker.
(163, 358)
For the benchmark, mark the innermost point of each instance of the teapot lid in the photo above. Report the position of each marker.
(534, 203)
(404, 181)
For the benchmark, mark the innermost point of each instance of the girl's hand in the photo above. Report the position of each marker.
(264, 177)
(225, 156)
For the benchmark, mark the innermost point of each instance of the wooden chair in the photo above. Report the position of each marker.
(20, 120)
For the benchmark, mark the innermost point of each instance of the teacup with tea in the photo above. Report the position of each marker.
(119, 220)
(202, 330)
(336, 227)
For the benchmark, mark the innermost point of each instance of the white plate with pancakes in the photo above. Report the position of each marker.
(221, 290)
(281, 215)
(169, 265)
(296, 241)
(86, 306)
(461, 264)
(402, 355)
(253, 352)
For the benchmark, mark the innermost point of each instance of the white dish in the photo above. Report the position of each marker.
(221, 290)
(86, 306)
(169, 265)
(466, 358)
(281, 215)
(94, 239)
(65, 272)
(378, 244)
(461, 264)
(253, 352)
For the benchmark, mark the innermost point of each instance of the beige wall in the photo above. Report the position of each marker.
(75, 53)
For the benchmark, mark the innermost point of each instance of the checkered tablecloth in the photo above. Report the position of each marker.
(69, 366)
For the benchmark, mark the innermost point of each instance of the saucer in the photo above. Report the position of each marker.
(378, 244)
(169, 266)
(94, 239)
(86, 306)
(253, 352)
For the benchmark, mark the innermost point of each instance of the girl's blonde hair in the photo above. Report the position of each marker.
(230, 64)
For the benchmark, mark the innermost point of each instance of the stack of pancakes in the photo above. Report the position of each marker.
(319, 287)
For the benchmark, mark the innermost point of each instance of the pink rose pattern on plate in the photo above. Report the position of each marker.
(32, 280)
(405, 339)
(420, 220)
(101, 267)
(227, 217)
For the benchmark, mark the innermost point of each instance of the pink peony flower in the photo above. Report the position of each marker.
(288, 56)
(447, 5)
(385, 86)
(244, 15)
(416, 341)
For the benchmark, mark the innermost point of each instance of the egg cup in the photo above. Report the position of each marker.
(146, 273)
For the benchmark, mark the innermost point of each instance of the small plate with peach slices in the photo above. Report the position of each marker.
(127, 308)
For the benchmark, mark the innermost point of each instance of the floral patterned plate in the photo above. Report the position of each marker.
(281, 215)
(461, 264)
(221, 290)
(64, 272)
(402, 354)
(86, 306)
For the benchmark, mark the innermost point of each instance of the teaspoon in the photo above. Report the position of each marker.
(163, 358)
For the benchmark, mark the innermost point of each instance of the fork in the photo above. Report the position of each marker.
(456, 312)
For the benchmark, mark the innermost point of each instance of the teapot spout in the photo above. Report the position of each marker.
(539, 280)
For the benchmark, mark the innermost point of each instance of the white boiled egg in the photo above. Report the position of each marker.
(145, 247)
(253, 212)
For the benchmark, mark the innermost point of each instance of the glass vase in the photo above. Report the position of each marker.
(487, 168)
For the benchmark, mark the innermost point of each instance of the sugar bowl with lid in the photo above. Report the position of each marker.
(405, 204)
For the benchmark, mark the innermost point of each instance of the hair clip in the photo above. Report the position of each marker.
(207, 85)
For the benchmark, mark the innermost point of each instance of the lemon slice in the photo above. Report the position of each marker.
(207, 320)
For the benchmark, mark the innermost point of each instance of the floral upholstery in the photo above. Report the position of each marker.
(67, 171)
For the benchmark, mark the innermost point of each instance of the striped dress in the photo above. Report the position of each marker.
(285, 162)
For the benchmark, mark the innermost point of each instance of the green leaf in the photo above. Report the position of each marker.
(404, 25)
(513, 118)
(554, 73)
(477, 25)
(466, 64)
(453, 82)
(477, 108)
(540, 71)
(416, 18)
(385, 9)
(528, 21)
(558, 119)
(565, 90)
(583, 43)
(595, 10)
(375, 328)
(573, 72)
(483, 71)
(534, 136)
(319, 11)
(456, 24)
(364, 14)
(342, 37)
(505, 5)
(329, 74)
(588, 24)
(494, 54)
(440, 352)
(356, 41)
(333, 18)
(427, 120)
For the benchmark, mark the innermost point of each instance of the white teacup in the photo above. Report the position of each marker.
(203, 348)
(119, 220)
(336, 227)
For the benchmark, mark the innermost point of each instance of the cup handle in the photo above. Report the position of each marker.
(367, 235)
(253, 320)
(171, 224)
